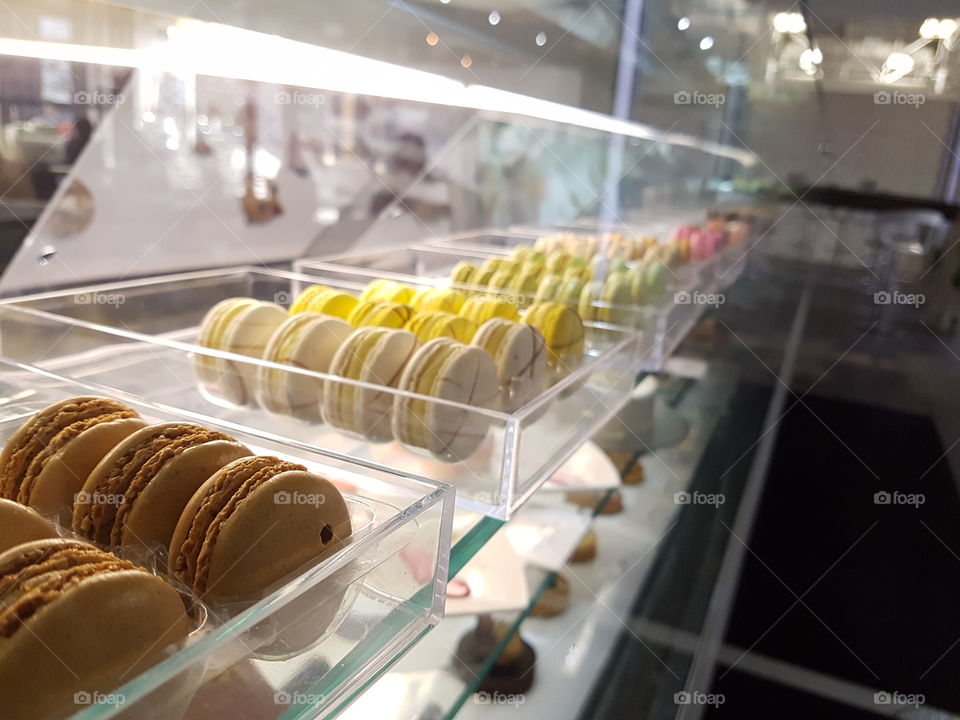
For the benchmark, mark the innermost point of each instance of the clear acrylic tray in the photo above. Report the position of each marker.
(659, 328)
(141, 337)
(389, 583)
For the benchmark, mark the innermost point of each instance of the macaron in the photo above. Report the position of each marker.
(563, 332)
(387, 291)
(133, 498)
(655, 278)
(569, 291)
(547, 288)
(524, 284)
(463, 273)
(500, 280)
(432, 325)
(307, 341)
(520, 356)
(19, 524)
(446, 370)
(254, 523)
(481, 308)
(380, 314)
(558, 261)
(46, 462)
(438, 299)
(242, 326)
(370, 355)
(324, 300)
(303, 300)
(78, 620)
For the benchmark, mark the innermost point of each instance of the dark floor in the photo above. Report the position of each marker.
(879, 584)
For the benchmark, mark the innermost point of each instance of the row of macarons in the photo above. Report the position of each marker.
(499, 365)
(189, 499)
(697, 242)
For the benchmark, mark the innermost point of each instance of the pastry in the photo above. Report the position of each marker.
(252, 524)
(370, 355)
(447, 370)
(432, 325)
(607, 302)
(655, 278)
(387, 291)
(438, 299)
(380, 314)
(242, 326)
(586, 549)
(75, 621)
(47, 460)
(592, 499)
(500, 280)
(307, 341)
(555, 599)
(548, 287)
(578, 272)
(524, 284)
(133, 498)
(520, 355)
(324, 300)
(557, 262)
(563, 332)
(635, 475)
(19, 524)
(302, 303)
(569, 291)
(463, 273)
(514, 669)
(481, 308)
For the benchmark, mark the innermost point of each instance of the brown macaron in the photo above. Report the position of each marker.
(133, 498)
(48, 459)
(254, 523)
(19, 524)
(78, 620)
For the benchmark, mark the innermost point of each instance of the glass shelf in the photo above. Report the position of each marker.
(660, 562)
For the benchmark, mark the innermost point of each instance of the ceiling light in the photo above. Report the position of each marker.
(683, 23)
(896, 66)
(899, 62)
(810, 60)
(466, 61)
(789, 23)
(706, 43)
(432, 39)
(930, 28)
(252, 56)
(494, 18)
(541, 39)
